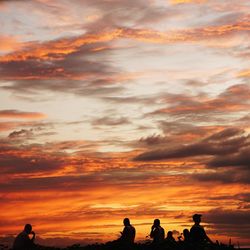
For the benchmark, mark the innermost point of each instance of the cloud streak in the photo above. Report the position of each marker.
(17, 114)
(58, 49)
(233, 99)
(222, 143)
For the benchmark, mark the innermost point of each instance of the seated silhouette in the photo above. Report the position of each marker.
(128, 233)
(170, 236)
(197, 232)
(23, 241)
(184, 240)
(157, 232)
(186, 235)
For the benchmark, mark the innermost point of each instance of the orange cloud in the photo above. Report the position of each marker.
(9, 44)
(16, 114)
(187, 35)
(235, 98)
(244, 73)
(57, 50)
(5, 126)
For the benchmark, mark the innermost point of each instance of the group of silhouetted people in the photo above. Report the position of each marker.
(194, 239)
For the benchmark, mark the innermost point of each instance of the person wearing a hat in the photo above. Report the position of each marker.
(197, 233)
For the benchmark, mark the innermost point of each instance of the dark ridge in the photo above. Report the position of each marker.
(115, 245)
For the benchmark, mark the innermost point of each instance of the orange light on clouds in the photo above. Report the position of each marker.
(139, 112)
(244, 73)
(9, 44)
(14, 114)
(187, 1)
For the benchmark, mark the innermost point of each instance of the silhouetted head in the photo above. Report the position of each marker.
(126, 222)
(28, 228)
(186, 233)
(197, 218)
(157, 222)
(169, 234)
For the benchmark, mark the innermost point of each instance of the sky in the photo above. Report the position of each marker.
(124, 108)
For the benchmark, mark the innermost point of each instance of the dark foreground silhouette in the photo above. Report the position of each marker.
(195, 239)
(139, 246)
(147, 245)
(23, 241)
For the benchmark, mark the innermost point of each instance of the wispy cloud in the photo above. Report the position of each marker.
(17, 114)
(233, 99)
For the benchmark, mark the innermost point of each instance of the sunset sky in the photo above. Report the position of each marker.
(124, 108)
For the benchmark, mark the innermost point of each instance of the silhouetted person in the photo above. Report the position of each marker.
(170, 236)
(157, 232)
(197, 232)
(128, 233)
(186, 235)
(23, 241)
(186, 243)
(170, 242)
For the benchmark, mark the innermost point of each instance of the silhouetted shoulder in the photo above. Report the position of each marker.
(22, 242)
(128, 233)
(157, 232)
(197, 233)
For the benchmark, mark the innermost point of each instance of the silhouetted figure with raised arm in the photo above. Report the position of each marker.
(23, 241)
(157, 232)
(198, 235)
(128, 233)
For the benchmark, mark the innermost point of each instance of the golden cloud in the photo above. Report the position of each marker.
(16, 114)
